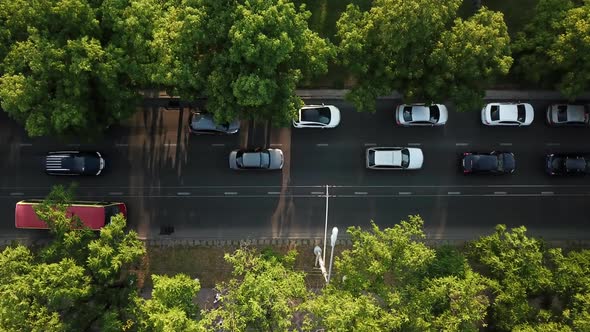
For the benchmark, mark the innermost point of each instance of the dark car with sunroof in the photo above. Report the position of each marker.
(74, 163)
(567, 164)
(495, 162)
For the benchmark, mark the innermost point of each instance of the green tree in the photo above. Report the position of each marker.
(73, 67)
(171, 306)
(75, 283)
(245, 57)
(423, 50)
(553, 49)
(518, 264)
(381, 257)
(263, 295)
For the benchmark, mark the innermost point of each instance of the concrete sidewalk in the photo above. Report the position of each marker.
(339, 94)
(490, 94)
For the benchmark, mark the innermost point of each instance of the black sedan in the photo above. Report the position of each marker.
(74, 163)
(494, 162)
(567, 164)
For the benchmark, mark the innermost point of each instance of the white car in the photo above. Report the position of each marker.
(317, 116)
(568, 115)
(507, 114)
(394, 158)
(421, 115)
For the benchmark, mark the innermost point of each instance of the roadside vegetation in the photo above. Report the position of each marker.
(388, 280)
(76, 67)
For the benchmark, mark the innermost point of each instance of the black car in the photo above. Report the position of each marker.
(74, 163)
(494, 162)
(567, 164)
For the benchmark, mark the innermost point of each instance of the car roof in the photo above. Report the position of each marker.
(483, 162)
(251, 159)
(508, 112)
(420, 113)
(388, 158)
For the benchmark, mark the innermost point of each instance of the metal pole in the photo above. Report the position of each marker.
(333, 238)
(326, 225)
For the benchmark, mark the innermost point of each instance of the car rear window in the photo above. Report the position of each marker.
(521, 113)
(408, 113)
(434, 113)
(495, 113)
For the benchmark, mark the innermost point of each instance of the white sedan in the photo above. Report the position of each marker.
(394, 158)
(507, 114)
(317, 116)
(421, 115)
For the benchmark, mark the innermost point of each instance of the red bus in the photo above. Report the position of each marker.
(93, 215)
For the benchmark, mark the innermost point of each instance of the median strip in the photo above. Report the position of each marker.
(454, 193)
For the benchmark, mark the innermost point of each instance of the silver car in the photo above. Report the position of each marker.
(204, 124)
(568, 115)
(394, 158)
(265, 159)
(421, 115)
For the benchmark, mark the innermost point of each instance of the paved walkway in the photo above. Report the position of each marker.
(490, 94)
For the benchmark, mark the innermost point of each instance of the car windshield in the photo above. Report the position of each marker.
(408, 113)
(434, 113)
(320, 114)
(405, 158)
(521, 112)
(371, 158)
(562, 113)
(495, 113)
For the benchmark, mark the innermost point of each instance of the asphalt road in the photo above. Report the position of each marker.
(169, 178)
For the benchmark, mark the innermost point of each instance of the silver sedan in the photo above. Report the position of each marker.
(264, 159)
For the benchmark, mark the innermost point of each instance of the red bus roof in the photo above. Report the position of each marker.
(91, 216)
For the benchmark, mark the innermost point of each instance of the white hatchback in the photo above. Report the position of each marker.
(394, 158)
(507, 114)
(317, 116)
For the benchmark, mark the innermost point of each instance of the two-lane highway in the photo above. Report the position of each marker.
(169, 178)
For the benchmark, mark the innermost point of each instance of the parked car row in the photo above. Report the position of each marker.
(407, 115)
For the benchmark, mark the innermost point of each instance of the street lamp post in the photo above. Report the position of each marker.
(332, 243)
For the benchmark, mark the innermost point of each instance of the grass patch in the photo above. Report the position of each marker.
(207, 263)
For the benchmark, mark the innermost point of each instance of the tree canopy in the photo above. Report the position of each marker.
(553, 50)
(245, 57)
(423, 50)
(73, 67)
